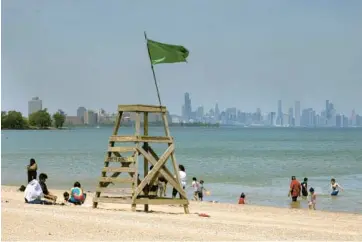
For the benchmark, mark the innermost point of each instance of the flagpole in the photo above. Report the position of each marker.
(153, 70)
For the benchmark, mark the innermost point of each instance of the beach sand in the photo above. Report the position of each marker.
(22, 221)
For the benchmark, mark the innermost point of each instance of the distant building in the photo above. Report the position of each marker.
(280, 113)
(73, 120)
(34, 105)
(80, 113)
(297, 114)
(90, 117)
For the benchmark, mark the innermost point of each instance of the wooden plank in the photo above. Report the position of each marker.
(135, 183)
(119, 169)
(142, 108)
(120, 200)
(118, 123)
(121, 149)
(116, 179)
(145, 162)
(169, 178)
(145, 138)
(130, 159)
(114, 190)
(156, 167)
(160, 201)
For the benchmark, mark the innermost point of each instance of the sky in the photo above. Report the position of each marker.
(243, 54)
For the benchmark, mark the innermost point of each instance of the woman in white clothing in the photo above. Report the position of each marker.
(183, 179)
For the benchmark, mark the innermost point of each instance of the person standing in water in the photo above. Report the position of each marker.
(32, 170)
(183, 180)
(305, 187)
(313, 199)
(295, 189)
(335, 187)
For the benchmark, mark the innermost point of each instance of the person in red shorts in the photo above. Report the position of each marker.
(295, 189)
(242, 198)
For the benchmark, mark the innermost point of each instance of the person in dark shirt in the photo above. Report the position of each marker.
(305, 187)
(42, 179)
(32, 170)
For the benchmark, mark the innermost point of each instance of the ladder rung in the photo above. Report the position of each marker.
(121, 149)
(116, 179)
(119, 169)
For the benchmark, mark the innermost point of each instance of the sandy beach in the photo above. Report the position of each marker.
(227, 222)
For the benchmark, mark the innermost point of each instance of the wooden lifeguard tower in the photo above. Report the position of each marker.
(135, 190)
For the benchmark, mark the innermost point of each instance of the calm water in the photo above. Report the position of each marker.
(258, 162)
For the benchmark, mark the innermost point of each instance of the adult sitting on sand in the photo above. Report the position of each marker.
(77, 195)
(42, 179)
(183, 179)
(33, 193)
(32, 170)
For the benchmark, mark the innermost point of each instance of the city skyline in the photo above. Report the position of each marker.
(243, 54)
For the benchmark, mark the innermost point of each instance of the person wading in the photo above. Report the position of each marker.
(32, 170)
(295, 189)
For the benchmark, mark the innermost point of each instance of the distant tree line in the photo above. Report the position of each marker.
(38, 120)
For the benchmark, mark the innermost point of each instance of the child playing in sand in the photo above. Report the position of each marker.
(242, 198)
(201, 190)
(313, 199)
(195, 185)
(77, 196)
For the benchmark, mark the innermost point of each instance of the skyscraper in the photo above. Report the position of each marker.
(217, 112)
(297, 113)
(80, 113)
(187, 107)
(280, 113)
(35, 105)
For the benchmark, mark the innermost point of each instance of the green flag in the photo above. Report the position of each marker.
(165, 53)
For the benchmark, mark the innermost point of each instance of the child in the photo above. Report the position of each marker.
(313, 199)
(195, 185)
(335, 187)
(305, 187)
(77, 196)
(242, 198)
(201, 190)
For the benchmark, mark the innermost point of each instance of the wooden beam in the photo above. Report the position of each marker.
(150, 139)
(160, 201)
(130, 159)
(119, 169)
(169, 178)
(142, 108)
(126, 191)
(137, 133)
(116, 179)
(121, 149)
(145, 162)
(156, 167)
(120, 200)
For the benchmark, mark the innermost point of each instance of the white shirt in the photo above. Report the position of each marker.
(33, 191)
(183, 178)
(195, 186)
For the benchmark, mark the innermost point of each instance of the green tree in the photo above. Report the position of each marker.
(13, 120)
(40, 119)
(59, 119)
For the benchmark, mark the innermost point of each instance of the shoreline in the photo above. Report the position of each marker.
(226, 222)
(301, 205)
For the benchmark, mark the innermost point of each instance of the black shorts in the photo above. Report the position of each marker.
(294, 199)
(200, 195)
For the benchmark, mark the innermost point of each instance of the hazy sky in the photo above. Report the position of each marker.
(243, 54)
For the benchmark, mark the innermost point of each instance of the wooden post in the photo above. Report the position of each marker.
(135, 182)
(145, 161)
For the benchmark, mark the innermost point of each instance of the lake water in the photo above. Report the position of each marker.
(256, 161)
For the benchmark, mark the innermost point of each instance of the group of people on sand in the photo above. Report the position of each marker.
(298, 189)
(36, 191)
